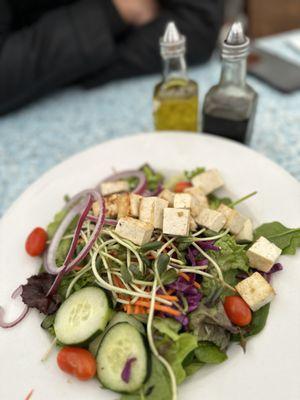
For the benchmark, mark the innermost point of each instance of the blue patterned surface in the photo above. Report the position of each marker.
(41, 135)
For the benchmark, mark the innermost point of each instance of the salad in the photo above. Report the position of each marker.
(145, 280)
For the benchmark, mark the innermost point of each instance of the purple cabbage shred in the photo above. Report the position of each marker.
(126, 373)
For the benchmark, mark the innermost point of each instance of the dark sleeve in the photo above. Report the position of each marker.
(61, 47)
(199, 20)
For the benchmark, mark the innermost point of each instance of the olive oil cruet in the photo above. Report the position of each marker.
(175, 100)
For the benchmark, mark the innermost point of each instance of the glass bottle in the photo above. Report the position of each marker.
(229, 107)
(175, 100)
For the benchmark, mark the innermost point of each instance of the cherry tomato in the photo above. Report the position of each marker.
(78, 362)
(36, 242)
(180, 186)
(237, 310)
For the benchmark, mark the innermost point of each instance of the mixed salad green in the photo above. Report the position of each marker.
(146, 280)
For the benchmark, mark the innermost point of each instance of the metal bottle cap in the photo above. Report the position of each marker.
(236, 44)
(172, 43)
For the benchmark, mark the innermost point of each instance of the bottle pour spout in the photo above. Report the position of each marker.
(236, 44)
(236, 34)
(172, 43)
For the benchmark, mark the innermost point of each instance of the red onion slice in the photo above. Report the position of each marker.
(6, 325)
(50, 255)
(100, 221)
(107, 221)
(16, 293)
(141, 186)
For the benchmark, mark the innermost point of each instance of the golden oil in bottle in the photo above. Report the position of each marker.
(175, 100)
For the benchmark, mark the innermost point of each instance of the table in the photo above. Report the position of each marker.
(39, 136)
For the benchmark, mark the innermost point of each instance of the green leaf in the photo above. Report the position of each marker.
(287, 239)
(157, 387)
(134, 269)
(231, 254)
(48, 321)
(52, 227)
(162, 263)
(209, 353)
(169, 276)
(127, 278)
(178, 351)
(153, 178)
(189, 175)
(151, 246)
(211, 324)
(259, 319)
(215, 202)
(62, 251)
(193, 368)
(167, 326)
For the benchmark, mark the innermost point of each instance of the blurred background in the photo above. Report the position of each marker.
(76, 73)
(264, 17)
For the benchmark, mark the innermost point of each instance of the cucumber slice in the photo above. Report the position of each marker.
(95, 343)
(121, 343)
(122, 317)
(82, 316)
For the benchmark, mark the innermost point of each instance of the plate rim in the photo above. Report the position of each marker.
(133, 136)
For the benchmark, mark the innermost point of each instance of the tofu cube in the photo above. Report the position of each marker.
(108, 188)
(186, 200)
(246, 234)
(263, 254)
(234, 220)
(135, 202)
(151, 210)
(123, 203)
(167, 195)
(136, 231)
(256, 291)
(199, 195)
(211, 219)
(193, 225)
(208, 181)
(176, 221)
(111, 206)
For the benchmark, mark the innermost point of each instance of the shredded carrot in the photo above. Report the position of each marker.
(184, 276)
(171, 291)
(167, 297)
(187, 278)
(29, 395)
(159, 307)
(197, 285)
(77, 268)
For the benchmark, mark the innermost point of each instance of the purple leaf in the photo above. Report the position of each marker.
(35, 291)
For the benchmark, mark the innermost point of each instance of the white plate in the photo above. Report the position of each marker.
(270, 368)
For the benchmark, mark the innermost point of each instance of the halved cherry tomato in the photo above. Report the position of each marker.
(180, 186)
(78, 362)
(36, 242)
(237, 310)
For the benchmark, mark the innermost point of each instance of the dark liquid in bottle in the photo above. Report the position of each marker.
(236, 130)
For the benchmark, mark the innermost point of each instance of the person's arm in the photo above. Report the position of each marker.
(61, 47)
(138, 54)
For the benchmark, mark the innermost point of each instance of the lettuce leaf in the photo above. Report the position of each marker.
(167, 326)
(209, 353)
(231, 254)
(157, 387)
(212, 324)
(287, 239)
(178, 351)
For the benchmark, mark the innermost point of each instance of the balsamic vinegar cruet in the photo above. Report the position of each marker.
(229, 107)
